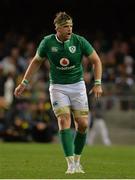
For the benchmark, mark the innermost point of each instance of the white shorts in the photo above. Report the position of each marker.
(69, 97)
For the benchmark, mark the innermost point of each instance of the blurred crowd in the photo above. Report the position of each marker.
(31, 118)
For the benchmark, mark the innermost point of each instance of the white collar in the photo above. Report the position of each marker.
(59, 40)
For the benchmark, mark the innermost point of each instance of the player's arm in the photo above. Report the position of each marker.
(97, 66)
(31, 70)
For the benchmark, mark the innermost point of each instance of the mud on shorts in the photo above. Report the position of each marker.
(69, 98)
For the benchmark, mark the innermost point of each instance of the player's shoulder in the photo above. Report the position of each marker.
(49, 37)
(78, 37)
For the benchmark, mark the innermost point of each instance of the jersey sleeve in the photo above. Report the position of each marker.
(86, 47)
(42, 50)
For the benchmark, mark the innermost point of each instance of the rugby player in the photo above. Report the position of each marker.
(64, 51)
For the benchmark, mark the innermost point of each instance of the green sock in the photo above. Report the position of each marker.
(79, 142)
(66, 137)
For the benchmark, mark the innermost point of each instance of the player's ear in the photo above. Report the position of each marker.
(56, 28)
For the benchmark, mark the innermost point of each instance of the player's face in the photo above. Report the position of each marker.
(64, 32)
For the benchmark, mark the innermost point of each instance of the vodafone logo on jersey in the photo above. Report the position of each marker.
(64, 62)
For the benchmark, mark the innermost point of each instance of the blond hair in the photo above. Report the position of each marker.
(61, 19)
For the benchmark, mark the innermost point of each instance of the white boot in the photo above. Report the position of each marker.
(78, 167)
(71, 169)
(71, 165)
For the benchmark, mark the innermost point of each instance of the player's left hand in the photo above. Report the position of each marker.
(97, 91)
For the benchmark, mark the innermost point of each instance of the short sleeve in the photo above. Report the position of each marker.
(86, 47)
(42, 49)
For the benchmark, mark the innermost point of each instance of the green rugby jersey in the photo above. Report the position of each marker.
(65, 57)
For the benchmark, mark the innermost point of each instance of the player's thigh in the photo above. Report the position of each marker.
(60, 102)
(78, 98)
(61, 107)
(80, 109)
(79, 104)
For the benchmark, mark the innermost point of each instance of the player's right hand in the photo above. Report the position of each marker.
(19, 90)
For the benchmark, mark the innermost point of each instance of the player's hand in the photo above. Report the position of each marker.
(19, 90)
(97, 91)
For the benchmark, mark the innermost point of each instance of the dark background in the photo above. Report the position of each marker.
(31, 16)
(107, 24)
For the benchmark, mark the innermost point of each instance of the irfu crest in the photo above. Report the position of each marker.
(72, 49)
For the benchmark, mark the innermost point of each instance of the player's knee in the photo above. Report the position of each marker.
(64, 121)
(83, 126)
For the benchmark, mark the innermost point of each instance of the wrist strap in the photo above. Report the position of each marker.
(25, 82)
(97, 82)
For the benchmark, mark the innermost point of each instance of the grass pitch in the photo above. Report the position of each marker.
(45, 161)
